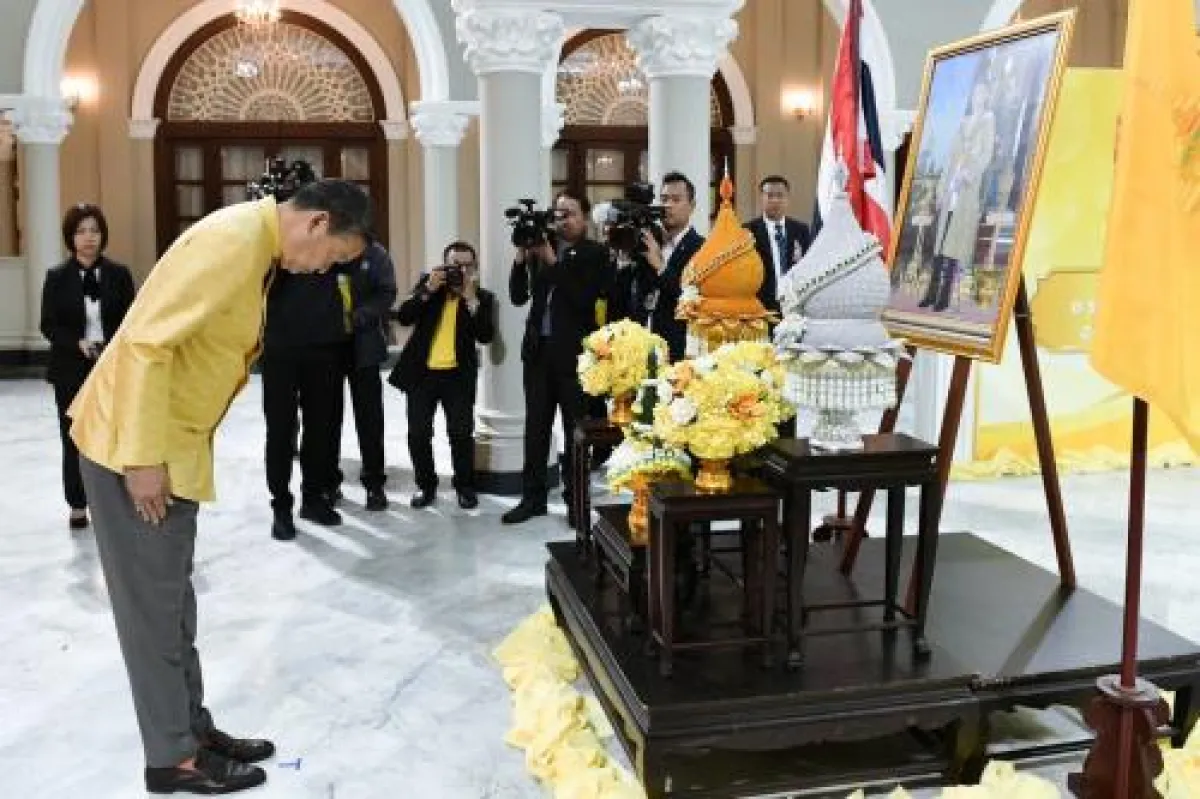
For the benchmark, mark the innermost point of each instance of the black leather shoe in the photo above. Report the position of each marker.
(213, 775)
(283, 528)
(468, 499)
(423, 499)
(376, 499)
(78, 519)
(523, 512)
(320, 513)
(243, 750)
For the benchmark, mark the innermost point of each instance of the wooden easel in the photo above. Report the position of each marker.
(951, 419)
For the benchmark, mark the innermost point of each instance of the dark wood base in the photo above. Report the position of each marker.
(1144, 711)
(862, 710)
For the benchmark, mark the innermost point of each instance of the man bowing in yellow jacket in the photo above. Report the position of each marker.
(144, 425)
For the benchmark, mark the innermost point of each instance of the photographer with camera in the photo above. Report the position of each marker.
(622, 225)
(440, 364)
(667, 260)
(561, 271)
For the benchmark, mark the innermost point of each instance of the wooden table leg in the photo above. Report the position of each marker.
(893, 547)
(580, 465)
(654, 548)
(769, 568)
(927, 541)
(666, 593)
(797, 544)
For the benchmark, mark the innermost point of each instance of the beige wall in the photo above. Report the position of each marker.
(98, 157)
(1099, 38)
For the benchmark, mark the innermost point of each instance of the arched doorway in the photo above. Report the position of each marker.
(604, 143)
(234, 96)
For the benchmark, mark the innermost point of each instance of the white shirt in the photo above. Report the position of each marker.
(94, 329)
(668, 249)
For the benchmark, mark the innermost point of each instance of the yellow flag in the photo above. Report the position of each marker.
(1147, 337)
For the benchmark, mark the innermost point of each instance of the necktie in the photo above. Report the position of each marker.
(781, 243)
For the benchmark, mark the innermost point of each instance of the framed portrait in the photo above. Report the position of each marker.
(974, 164)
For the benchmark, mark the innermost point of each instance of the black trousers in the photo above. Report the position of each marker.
(548, 387)
(454, 389)
(366, 399)
(65, 389)
(304, 381)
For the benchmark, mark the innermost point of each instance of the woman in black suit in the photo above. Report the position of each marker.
(84, 300)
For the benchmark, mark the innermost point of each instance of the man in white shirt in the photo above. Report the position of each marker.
(780, 240)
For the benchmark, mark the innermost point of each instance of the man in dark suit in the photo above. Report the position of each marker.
(368, 293)
(564, 280)
(667, 262)
(780, 240)
(440, 364)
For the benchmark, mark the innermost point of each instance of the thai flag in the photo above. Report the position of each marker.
(852, 136)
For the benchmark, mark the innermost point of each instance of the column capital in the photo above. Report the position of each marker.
(143, 129)
(744, 134)
(554, 116)
(442, 124)
(508, 39)
(41, 120)
(681, 46)
(394, 129)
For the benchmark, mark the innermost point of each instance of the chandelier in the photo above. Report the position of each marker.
(257, 13)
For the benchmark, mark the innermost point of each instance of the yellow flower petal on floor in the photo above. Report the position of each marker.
(560, 730)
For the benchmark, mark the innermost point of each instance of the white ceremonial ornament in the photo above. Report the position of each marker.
(839, 357)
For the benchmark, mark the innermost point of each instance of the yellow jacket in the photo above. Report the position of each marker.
(184, 351)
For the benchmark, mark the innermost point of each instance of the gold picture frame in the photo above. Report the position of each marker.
(975, 161)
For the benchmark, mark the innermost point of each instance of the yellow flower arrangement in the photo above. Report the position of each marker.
(724, 404)
(614, 358)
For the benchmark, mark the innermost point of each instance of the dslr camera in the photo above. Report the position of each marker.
(454, 276)
(281, 180)
(632, 216)
(531, 227)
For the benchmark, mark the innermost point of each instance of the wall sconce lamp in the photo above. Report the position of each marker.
(76, 90)
(800, 103)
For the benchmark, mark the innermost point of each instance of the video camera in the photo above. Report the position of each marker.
(531, 227)
(281, 180)
(633, 215)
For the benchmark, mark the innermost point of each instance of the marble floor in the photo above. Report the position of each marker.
(364, 650)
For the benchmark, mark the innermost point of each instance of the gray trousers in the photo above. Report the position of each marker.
(148, 570)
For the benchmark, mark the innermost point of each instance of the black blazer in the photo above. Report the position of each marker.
(425, 311)
(373, 287)
(797, 233)
(578, 281)
(64, 321)
(668, 286)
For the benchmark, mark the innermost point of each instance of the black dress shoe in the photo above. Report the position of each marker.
(376, 499)
(213, 774)
(243, 750)
(283, 528)
(321, 513)
(523, 512)
(78, 519)
(468, 499)
(423, 499)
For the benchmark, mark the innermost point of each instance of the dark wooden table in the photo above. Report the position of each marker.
(675, 507)
(589, 433)
(889, 462)
(618, 557)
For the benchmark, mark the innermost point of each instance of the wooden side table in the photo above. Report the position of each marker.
(674, 507)
(620, 557)
(588, 434)
(890, 462)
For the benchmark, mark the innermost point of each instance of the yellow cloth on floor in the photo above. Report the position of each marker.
(1180, 777)
(560, 730)
(1000, 780)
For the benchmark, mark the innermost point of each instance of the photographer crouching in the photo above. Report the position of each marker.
(562, 271)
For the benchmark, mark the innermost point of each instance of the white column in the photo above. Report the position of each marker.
(40, 126)
(440, 127)
(553, 117)
(509, 49)
(679, 57)
(145, 209)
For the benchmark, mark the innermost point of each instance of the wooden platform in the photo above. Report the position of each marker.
(861, 710)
